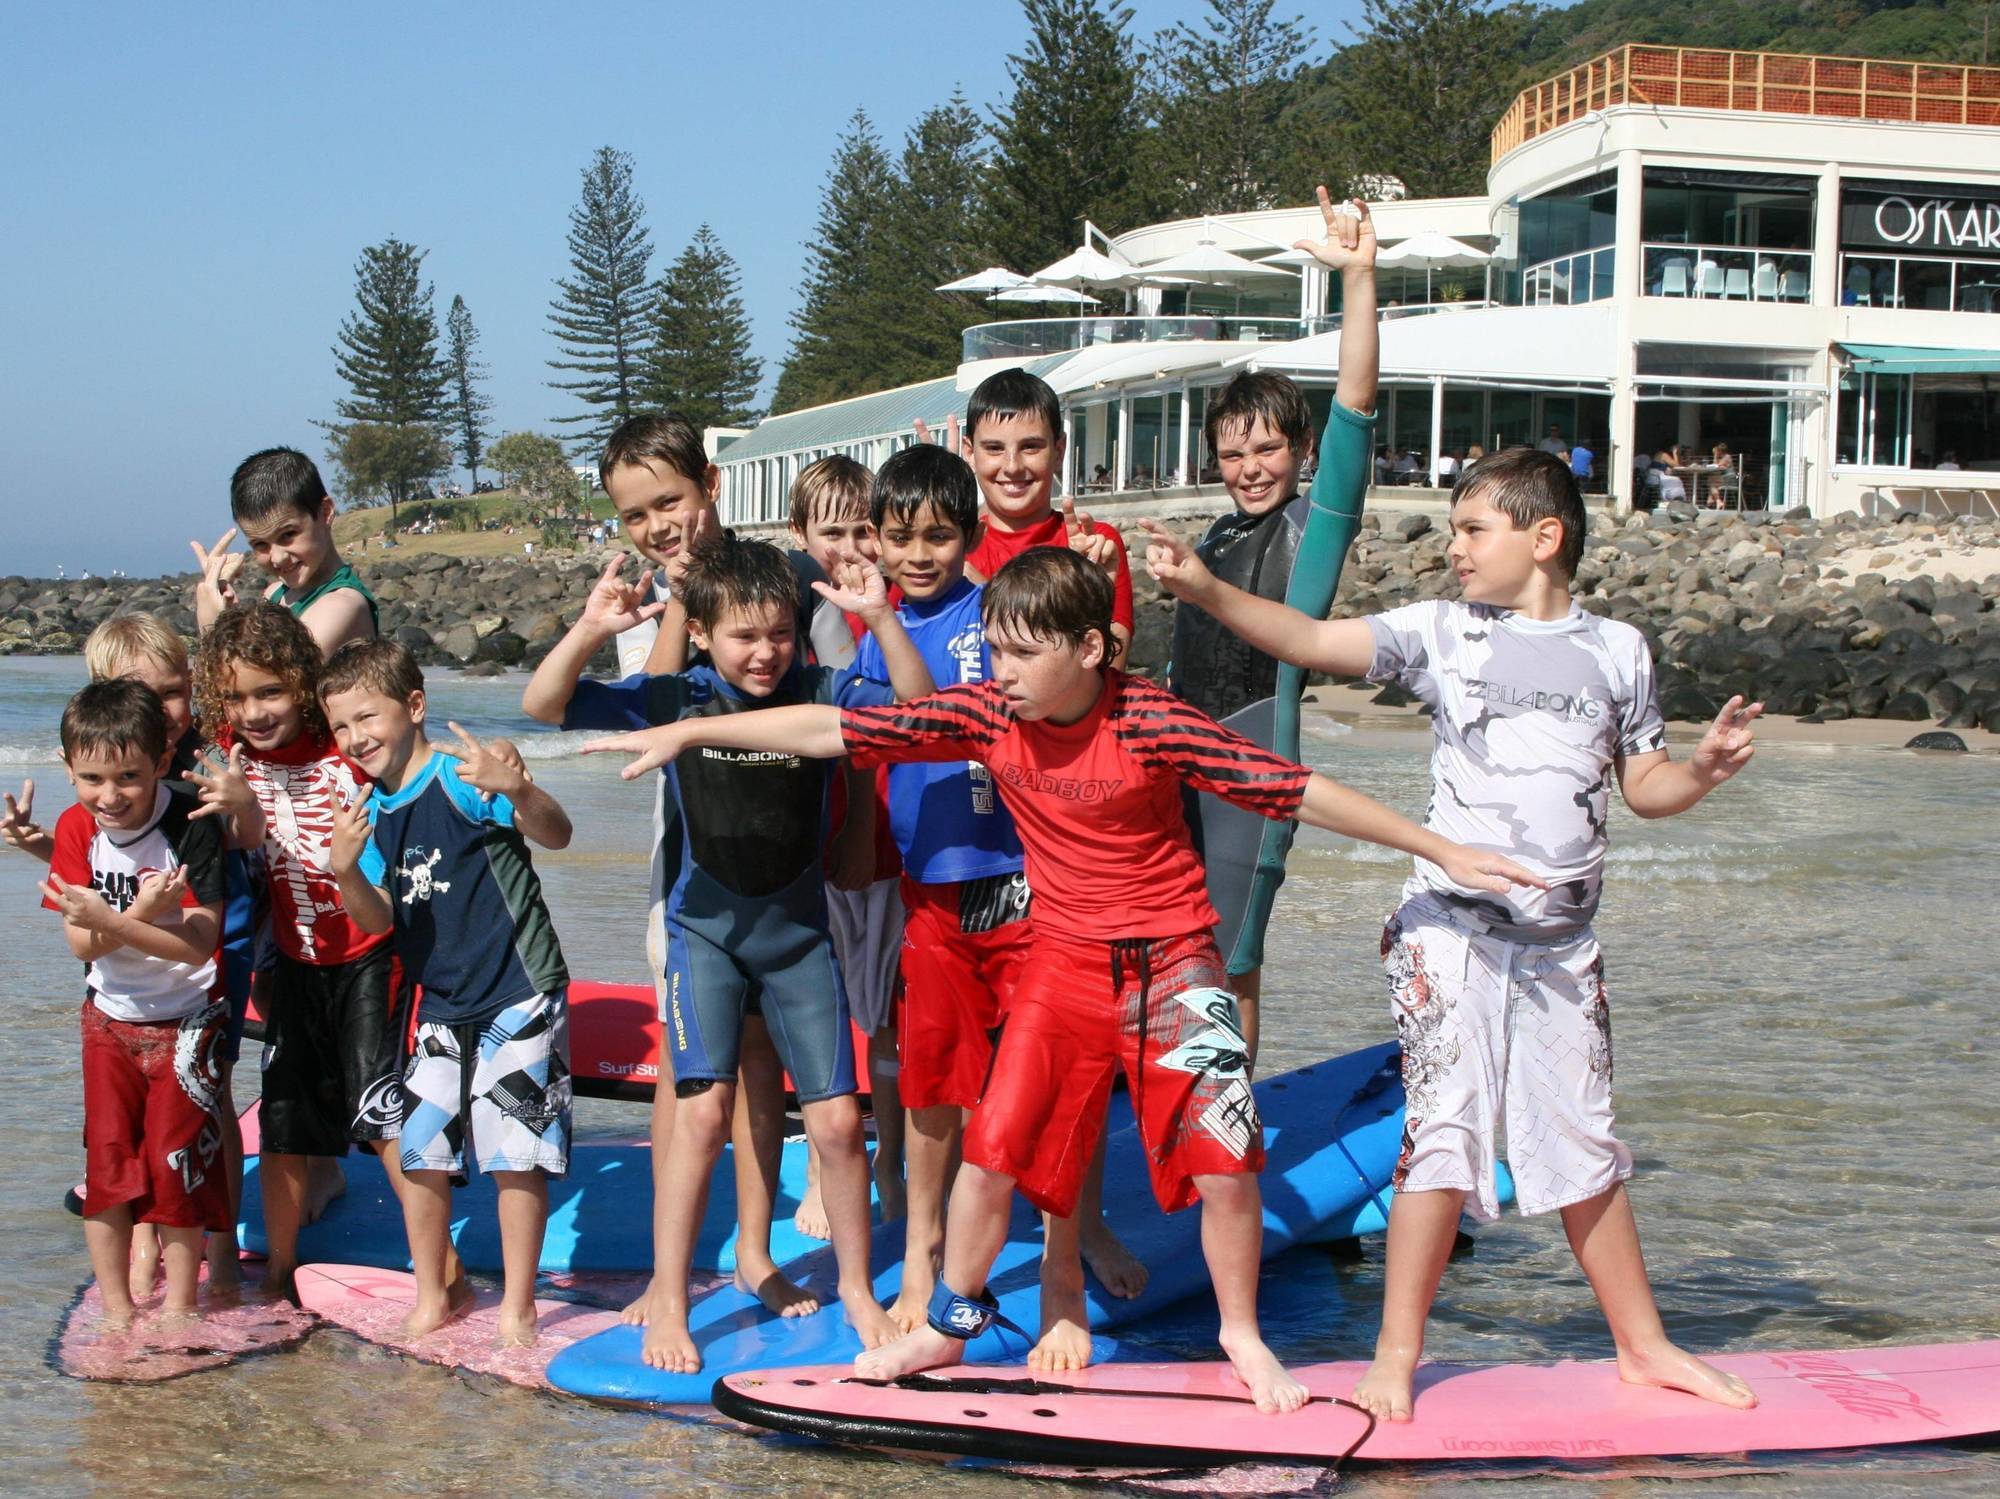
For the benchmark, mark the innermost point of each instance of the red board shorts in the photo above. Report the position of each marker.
(964, 944)
(150, 1134)
(1158, 1006)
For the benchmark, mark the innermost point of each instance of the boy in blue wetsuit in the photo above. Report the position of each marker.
(746, 903)
(437, 854)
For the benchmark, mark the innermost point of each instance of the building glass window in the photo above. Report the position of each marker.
(1933, 247)
(1562, 245)
(1729, 235)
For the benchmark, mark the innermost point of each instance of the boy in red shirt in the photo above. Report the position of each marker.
(1122, 967)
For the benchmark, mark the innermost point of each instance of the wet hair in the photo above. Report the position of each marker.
(112, 716)
(1052, 594)
(125, 638)
(669, 439)
(1256, 393)
(1527, 485)
(265, 636)
(1013, 392)
(732, 572)
(275, 480)
(378, 664)
(835, 486)
(927, 474)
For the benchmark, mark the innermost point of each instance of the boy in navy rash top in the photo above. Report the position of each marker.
(438, 856)
(746, 907)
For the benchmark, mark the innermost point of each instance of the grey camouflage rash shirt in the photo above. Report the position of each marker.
(1530, 719)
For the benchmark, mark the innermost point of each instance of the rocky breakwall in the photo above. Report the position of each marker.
(1832, 619)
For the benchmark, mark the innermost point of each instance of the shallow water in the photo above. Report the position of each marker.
(1802, 977)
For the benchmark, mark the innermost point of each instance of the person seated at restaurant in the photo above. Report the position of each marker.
(1949, 463)
(1474, 453)
(1672, 491)
(1407, 467)
(1719, 456)
(1582, 462)
(1448, 467)
(1552, 442)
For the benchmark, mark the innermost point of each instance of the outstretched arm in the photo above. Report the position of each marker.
(1655, 786)
(613, 605)
(1339, 809)
(496, 769)
(1349, 250)
(809, 729)
(1339, 647)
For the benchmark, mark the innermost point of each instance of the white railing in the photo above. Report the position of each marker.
(1922, 282)
(1566, 280)
(1743, 273)
(1029, 337)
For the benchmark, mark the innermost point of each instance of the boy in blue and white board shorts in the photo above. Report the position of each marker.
(1499, 1000)
(438, 855)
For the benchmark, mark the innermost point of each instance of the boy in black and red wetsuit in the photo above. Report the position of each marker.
(1122, 968)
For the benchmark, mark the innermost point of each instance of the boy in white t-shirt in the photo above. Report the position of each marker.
(1499, 1000)
(137, 876)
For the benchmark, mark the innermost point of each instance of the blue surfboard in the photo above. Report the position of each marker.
(1331, 1134)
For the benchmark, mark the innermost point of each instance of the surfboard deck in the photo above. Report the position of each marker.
(1197, 1415)
(1332, 1131)
(148, 1353)
(371, 1302)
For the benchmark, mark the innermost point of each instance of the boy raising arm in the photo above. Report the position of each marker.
(1538, 705)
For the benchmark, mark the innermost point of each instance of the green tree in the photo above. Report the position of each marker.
(834, 332)
(1424, 86)
(698, 360)
(520, 452)
(600, 317)
(376, 461)
(929, 234)
(387, 353)
(468, 404)
(1065, 140)
(1225, 101)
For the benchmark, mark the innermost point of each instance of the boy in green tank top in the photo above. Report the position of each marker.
(281, 507)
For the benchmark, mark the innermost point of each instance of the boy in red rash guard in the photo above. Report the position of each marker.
(1122, 969)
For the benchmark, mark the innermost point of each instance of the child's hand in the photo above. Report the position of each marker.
(1173, 563)
(1085, 540)
(614, 605)
(702, 527)
(857, 588)
(495, 769)
(79, 905)
(219, 567)
(1472, 869)
(351, 830)
(223, 788)
(923, 432)
(1729, 743)
(17, 822)
(654, 747)
(1350, 236)
(158, 895)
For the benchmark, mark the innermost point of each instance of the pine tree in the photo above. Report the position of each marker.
(467, 402)
(600, 319)
(1223, 100)
(698, 362)
(1423, 86)
(931, 234)
(387, 353)
(834, 351)
(1065, 140)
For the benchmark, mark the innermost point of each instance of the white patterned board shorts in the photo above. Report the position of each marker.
(1491, 1027)
(867, 930)
(498, 1089)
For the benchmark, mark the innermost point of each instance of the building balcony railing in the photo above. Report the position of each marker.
(1776, 83)
(1033, 336)
(1567, 280)
(1928, 284)
(1741, 273)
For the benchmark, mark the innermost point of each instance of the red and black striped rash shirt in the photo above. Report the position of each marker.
(1098, 802)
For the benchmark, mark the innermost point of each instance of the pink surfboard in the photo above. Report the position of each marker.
(149, 1351)
(372, 1303)
(1197, 1415)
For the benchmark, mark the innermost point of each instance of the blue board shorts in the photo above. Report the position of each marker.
(782, 970)
(497, 1088)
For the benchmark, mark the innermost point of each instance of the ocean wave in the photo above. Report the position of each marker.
(31, 754)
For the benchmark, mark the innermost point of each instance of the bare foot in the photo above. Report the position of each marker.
(912, 1353)
(1384, 1391)
(145, 1267)
(911, 1308)
(1267, 1380)
(170, 1321)
(279, 1284)
(1117, 1269)
(324, 1182)
(634, 1314)
(1672, 1368)
(459, 1295)
(810, 1219)
(779, 1293)
(866, 1316)
(668, 1344)
(1065, 1340)
(427, 1319)
(515, 1330)
(114, 1319)
(225, 1269)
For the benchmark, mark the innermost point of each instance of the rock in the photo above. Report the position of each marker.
(417, 639)
(1410, 527)
(1906, 706)
(1949, 743)
(1920, 594)
(460, 642)
(1392, 696)
(484, 625)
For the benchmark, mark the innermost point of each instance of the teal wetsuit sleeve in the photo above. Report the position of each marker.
(374, 868)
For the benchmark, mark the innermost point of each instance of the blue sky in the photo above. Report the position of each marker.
(188, 188)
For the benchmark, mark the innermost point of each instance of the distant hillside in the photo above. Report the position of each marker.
(1927, 30)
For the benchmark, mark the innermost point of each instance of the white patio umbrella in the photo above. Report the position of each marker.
(993, 278)
(1211, 265)
(1034, 293)
(1085, 267)
(1432, 251)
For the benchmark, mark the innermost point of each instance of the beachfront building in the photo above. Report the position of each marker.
(1796, 259)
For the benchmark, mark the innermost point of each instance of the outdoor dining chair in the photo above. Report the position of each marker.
(1737, 283)
(1708, 279)
(1674, 277)
(1767, 281)
(1793, 286)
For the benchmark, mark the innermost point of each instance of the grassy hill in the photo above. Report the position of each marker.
(1924, 30)
(460, 530)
